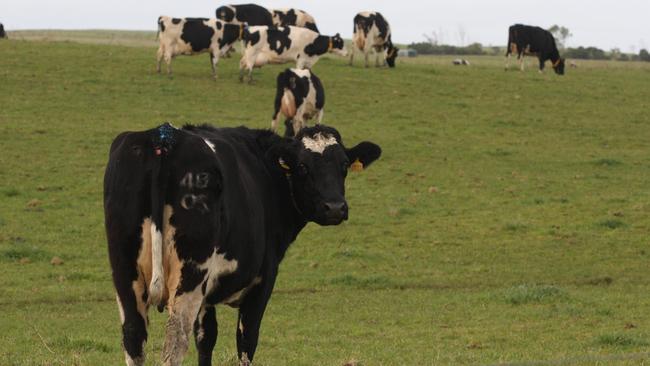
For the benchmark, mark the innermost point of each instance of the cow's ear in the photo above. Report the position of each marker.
(363, 155)
(283, 155)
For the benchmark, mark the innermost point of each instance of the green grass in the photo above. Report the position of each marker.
(506, 222)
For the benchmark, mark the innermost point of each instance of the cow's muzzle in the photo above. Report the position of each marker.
(334, 212)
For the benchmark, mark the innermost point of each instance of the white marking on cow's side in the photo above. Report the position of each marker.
(318, 142)
(210, 145)
(217, 266)
(120, 308)
(157, 278)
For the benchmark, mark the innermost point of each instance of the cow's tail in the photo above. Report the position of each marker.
(510, 40)
(163, 142)
(160, 27)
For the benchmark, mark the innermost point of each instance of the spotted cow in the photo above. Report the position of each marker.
(292, 16)
(189, 36)
(201, 216)
(528, 40)
(264, 45)
(372, 32)
(300, 96)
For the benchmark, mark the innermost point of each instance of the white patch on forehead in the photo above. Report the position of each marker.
(210, 145)
(319, 142)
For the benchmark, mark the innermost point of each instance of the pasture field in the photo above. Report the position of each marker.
(507, 221)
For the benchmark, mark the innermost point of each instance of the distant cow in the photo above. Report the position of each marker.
(529, 40)
(296, 17)
(202, 216)
(300, 96)
(250, 14)
(3, 34)
(372, 32)
(188, 36)
(264, 45)
(460, 62)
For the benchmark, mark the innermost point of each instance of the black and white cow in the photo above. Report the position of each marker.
(372, 32)
(250, 14)
(529, 40)
(3, 34)
(291, 16)
(201, 216)
(300, 97)
(264, 45)
(188, 36)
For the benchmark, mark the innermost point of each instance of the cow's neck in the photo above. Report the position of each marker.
(322, 45)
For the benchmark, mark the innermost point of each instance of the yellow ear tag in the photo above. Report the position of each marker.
(283, 164)
(357, 166)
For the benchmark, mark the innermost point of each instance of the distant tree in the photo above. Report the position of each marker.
(644, 55)
(561, 34)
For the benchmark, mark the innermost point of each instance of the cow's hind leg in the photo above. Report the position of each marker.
(131, 302)
(168, 61)
(205, 334)
(351, 55)
(366, 54)
(521, 62)
(183, 307)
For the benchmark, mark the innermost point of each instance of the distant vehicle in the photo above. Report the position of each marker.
(372, 32)
(535, 41)
(409, 52)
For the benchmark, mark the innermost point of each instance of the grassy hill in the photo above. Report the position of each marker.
(506, 222)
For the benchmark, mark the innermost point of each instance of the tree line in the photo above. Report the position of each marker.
(432, 47)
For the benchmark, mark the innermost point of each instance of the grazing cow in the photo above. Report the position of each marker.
(300, 96)
(460, 62)
(3, 34)
(296, 17)
(201, 216)
(188, 36)
(263, 45)
(250, 14)
(529, 40)
(372, 32)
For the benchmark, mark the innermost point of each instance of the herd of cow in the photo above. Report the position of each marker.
(199, 216)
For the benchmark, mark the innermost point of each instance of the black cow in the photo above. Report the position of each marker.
(201, 216)
(300, 96)
(372, 32)
(3, 34)
(189, 36)
(529, 40)
(250, 14)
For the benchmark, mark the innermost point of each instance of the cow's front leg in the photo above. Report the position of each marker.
(541, 65)
(351, 55)
(159, 58)
(214, 59)
(184, 306)
(251, 312)
(205, 334)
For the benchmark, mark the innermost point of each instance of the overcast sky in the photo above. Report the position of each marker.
(602, 23)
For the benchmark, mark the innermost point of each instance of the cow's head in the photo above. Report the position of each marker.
(559, 67)
(226, 13)
(316, 163)
(391, 55)
(337, 45)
